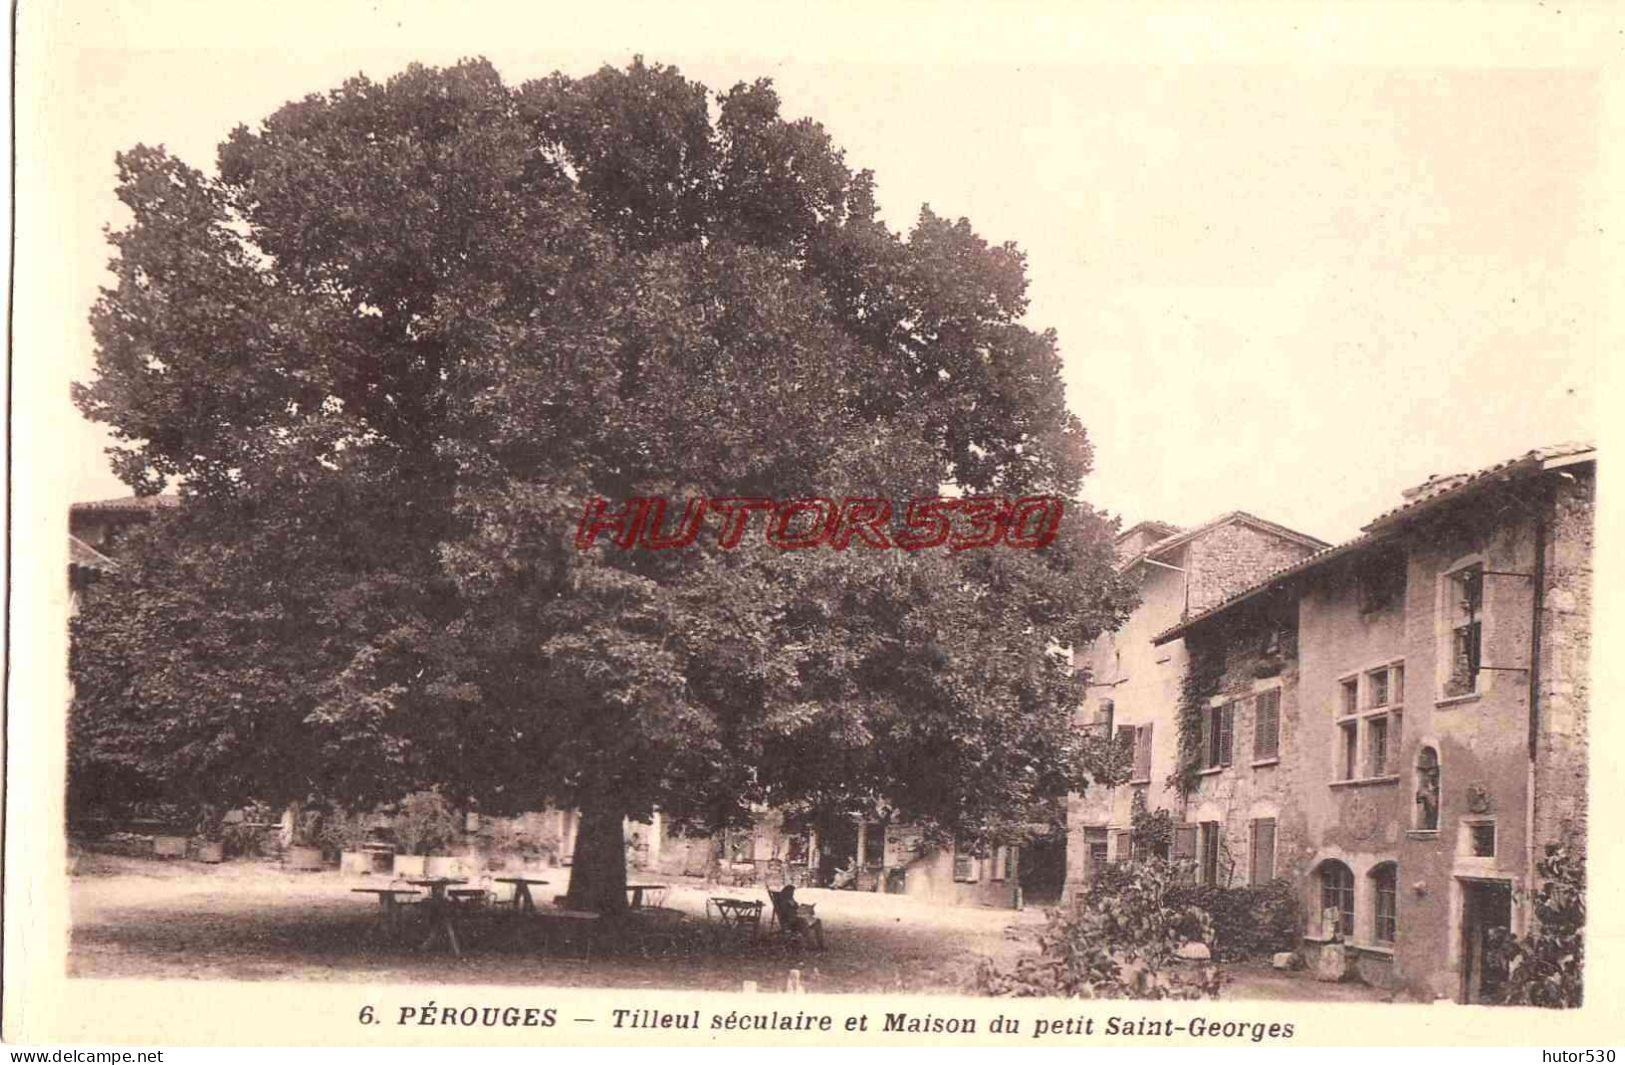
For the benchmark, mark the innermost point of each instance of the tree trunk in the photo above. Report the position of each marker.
(598, 872)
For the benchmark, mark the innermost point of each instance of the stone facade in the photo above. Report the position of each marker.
(1433, 717)
(1135, 684)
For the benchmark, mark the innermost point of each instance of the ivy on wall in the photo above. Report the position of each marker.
(1153, 830)
(1202, 681)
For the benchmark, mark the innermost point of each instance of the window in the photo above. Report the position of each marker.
(1377, 689)
(1142, 753)
(1104, 715)
(1122, 845)
(1464, 608)
(1377, 748)
(1096, 850)
(1370, 711)
(1337, 899)
(1267, 725)
(1210, 852)
(1261, 862)
(1385, 897)
(1125, 740)
(965, 866)
(1185, 843)
(1349, 737)
(1219, 726)
(1481, 839)
(1427, 790)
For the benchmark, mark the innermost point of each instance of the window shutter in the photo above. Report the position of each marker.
(1262, 863)
(1185, 842)
(1142, 753)
(1125, 738)
(1125, 845)
(1227, 735)
(1267, 725)
(1207, 739)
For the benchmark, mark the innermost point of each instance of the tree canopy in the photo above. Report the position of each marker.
(409, 328)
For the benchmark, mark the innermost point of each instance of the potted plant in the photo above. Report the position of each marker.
(348, 833)
(208, 840)
(424, 827)
(305, 848)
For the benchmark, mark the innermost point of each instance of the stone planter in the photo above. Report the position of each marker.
(211, 852)
(355, 863)
(448, 865)
(169, 846)
(303, 859)
(411, 865)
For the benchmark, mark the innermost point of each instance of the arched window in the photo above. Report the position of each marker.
(1385, 902)
(1337, 898)
(1427, 790)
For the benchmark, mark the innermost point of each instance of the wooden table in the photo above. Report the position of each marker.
(522, 900)
(442, 922)
(389, 905)
(635, 891)
(735, 916)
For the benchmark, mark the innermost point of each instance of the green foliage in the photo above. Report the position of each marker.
(1547, 967)
(1153, 830)
(1121, 941)
(412, 326)
(346, 830)
(1248, 922)
(246, 838)
(424, 823)
(1203, 677)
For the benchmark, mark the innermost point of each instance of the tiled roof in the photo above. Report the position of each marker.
(84, 556)
(1162, 529)
(1379, 528)
(1448, 488)
(1168, 543)
(1268, 582)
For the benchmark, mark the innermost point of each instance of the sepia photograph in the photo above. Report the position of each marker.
(999, 512)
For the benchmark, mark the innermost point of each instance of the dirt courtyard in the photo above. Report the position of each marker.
(254, 921)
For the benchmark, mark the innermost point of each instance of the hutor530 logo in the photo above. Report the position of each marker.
(959, 524)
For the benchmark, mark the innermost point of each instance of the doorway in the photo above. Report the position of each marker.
(1042, 870)
(1486, 925)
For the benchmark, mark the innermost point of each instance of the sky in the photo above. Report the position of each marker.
(1295, 265)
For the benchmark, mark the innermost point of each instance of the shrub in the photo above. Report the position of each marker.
(1153, 830)
(1547, 967)
(424, 823)
(1121, 941)
(1247, 921)
(346, 830)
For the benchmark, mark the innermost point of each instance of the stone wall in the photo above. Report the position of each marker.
(1234, 556)
(1561, 747)
(1259, 646)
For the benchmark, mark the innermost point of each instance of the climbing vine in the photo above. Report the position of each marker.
(1153, 830)
(1201, 683)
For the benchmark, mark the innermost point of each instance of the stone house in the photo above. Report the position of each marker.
(1425, 685)
(1134, 684)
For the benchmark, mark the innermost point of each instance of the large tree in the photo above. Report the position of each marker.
(410, 328)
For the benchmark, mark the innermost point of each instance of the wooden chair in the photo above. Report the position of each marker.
(796, 923)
